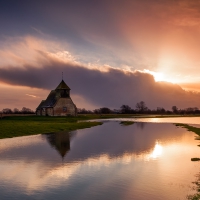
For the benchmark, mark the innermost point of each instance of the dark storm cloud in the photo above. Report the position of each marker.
(111, 88)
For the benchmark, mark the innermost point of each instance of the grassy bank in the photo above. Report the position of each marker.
(31, 125)
(190, 128)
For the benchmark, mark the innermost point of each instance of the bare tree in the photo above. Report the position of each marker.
(105, 110)
(174, 109)
(160, 110)
(96, 111)
(26, 111)
(7, 111)
(16, 111)
(125, 109)
(141, 106)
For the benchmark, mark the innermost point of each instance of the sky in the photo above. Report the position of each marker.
(111, 52)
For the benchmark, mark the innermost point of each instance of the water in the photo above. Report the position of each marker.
(142, 161)
(185, 120)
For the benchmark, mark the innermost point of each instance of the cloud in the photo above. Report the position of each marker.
(31, 95)
(111, 87)
(93, 85)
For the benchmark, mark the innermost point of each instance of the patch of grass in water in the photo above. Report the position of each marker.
(197, 138)
(195, 159)
(126, 123)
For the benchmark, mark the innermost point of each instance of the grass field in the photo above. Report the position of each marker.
(31, 125)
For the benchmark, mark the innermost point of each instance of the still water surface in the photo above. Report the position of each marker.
(184, 120)
(141, 161)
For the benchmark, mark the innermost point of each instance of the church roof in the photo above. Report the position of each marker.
(41, 104)
(63, 85)
(50, 101)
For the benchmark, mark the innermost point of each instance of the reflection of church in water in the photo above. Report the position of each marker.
(60, 141)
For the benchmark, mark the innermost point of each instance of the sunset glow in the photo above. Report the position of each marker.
(123, 48)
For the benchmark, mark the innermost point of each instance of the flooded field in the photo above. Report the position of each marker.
(184, 120)
(111, 161)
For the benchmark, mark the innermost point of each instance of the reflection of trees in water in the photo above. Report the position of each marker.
(197, 188)
(60, 141)
(141, 125)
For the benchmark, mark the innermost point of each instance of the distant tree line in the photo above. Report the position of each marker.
(140, 108)
(24, 110)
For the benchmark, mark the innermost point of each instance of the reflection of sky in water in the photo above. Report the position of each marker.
(185, 120)
(141, 161)
(157, 151)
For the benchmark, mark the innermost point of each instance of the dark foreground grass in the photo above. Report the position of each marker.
(31, 125)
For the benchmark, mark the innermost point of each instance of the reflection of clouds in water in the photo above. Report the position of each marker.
(30, 177)
(92, 151)
(110, 138)
(34, 178)
(19, 142)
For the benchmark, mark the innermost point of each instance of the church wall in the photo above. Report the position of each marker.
(50, 111)
(64, 107)
(43, 111)
(38, 112)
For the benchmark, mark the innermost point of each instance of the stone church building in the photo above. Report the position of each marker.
(58, 103)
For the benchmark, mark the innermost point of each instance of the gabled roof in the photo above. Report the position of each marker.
(41, 104)
(62, 85)
(50, 101)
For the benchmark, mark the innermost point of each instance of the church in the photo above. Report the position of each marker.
(58, 103)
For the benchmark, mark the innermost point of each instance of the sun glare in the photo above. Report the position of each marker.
(159, 76)
(155, 153)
